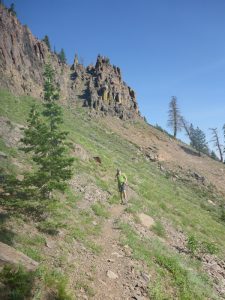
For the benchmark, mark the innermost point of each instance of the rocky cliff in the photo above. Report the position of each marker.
(22, 59)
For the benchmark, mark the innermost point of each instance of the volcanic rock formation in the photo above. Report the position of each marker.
(22, 59)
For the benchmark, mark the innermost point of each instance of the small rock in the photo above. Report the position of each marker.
(112, 275)
(146, 220)
(49, 244)
(117, 254)
(127, 250)
(103, 282)
(94, 223)
(211, 202)
(20, 177)
(145, 276)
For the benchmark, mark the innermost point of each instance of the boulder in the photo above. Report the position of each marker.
(146, 220)
(9, 255)
(111, 275)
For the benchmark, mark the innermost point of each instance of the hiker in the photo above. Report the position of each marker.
(122, 181)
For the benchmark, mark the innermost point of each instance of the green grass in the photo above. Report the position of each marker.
(184, 205)
(159, 229)
(17, 282)
(168, 268)
(86, 287)
(57, 281)
(100, 210)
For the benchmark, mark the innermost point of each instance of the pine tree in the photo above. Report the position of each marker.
(174, 120)
(45, 140)
(198, 140)
(217, 143)
(62, 56)
(213, 155)
(224, 137)
(12, 9)
(47, 41)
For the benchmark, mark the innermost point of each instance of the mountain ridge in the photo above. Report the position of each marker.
(22, 59)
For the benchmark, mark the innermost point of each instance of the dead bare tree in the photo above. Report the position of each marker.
(185, 124)
(217, 143)
(174, 120)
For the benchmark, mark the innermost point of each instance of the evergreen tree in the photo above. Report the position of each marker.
(45, 140)
(217, 144)
(47, 41)
(12, 9)
(174, 120)
(198, 140)
(62, 56)
(213, 155)
(224, 138)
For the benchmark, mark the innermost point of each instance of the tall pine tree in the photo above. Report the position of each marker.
(174, 120)
(45, 140)
(62, 56)
(47, 41)
(198, 140)
(12, 10)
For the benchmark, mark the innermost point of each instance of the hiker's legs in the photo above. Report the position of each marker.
(125, 195)
(121, 197)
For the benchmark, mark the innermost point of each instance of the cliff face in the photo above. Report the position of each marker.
(22, 59)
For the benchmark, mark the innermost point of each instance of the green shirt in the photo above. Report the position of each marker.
(121, 178)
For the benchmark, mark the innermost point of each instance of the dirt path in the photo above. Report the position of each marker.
(116, 276)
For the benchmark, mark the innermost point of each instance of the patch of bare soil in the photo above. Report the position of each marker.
(172, 154)
(92, 193)
(115, 275)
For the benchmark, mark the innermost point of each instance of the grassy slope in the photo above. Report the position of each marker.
(174, 275)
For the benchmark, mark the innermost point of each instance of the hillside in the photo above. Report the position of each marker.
(82, 235)
(167, 242)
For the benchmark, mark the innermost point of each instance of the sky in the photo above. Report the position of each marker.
(164, 48)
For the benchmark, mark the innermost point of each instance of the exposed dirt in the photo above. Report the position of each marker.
(171, 154)
(91, 193)
(115, 274)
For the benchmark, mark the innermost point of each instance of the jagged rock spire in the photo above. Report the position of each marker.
(99, 86)
(75, 62)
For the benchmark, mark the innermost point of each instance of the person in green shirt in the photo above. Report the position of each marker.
(122, 181)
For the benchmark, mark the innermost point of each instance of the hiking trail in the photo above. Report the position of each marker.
(116, 274)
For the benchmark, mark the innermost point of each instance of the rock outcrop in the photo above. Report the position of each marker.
(22, 59)
(9, 255)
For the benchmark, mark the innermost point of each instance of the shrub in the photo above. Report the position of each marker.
(17, 282)
(204, 247)
(192, 244)
(159, 229)
(209, 248)
(100, 210)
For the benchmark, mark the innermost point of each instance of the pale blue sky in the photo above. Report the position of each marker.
(164, 48)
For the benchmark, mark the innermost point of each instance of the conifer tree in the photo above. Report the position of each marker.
(213, 155)
(47, 41)
(46, 142)
(217, 143)
(62, 56)
(174, 120)
(12, 9)
(198, 140)
(224, 137)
